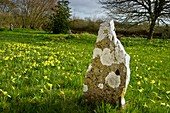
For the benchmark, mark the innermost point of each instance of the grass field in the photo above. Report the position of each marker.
(44, 73)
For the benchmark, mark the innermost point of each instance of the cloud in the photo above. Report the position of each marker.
(86, 8)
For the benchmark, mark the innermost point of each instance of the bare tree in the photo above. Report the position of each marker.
(6, 6)
(33, 12)
(39, 9)
(26, 13)
(5, 18)
(139, 11)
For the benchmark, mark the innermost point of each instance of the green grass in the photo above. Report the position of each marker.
(44, 73)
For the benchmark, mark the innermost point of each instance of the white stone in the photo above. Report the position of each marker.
(100, 86)
(112, 80)
(85, 88)
(111, 55)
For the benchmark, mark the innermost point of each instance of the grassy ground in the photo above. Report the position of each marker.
(44, 73)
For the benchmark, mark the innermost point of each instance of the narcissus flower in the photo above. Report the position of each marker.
(140, 90)
(152, 82)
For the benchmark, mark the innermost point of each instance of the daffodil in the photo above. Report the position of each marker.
(41, 90)
(6, 94)
(152, 101)
(6, 58)
(163, 104)
(58, 67)
(130, 86)
(45, 77)
(145, 105)
(146, 79)
(136, 68)
(63, 68)
(167, 92)
(140, 90)
(149, 68)
(13, 80)
(34, 64)
(50, 85)
(38, 53)
(62, 92)
(51, 57)
(2, 51)
(13, 87)
(138, 82)
(152, 82)
(11, 58)
(52, 63)
(70, 78)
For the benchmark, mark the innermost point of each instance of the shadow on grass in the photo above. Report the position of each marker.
(55, 104)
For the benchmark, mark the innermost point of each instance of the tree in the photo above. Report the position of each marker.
(33, 12)
(27, 13)
(139, 11)
(61, 17)
(5, 7)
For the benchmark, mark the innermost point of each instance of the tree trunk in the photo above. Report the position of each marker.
(151, 29)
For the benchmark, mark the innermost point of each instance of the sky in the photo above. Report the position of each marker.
(86, 8)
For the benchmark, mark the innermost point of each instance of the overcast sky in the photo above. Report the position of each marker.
(86, 8)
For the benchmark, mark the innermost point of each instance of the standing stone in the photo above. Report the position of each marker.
(108, 75)
(69, 33)
(11, 27)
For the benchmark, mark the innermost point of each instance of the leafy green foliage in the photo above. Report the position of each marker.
(61, 17)
(43, 74)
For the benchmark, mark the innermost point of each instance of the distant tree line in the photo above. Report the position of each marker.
(89, 25)
(133, 17)
(124, 29)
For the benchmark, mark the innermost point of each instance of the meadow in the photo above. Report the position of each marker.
(44, 73)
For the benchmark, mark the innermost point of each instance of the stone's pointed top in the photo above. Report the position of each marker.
(108, 23)
(109, 20)
(112, 25)
(107, 29)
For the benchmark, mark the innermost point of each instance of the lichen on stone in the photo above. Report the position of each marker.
(106, 57)
(85, 88)
(103, 32)
(112, 80)
(101, 85)
(96, 52)
(119, 55)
